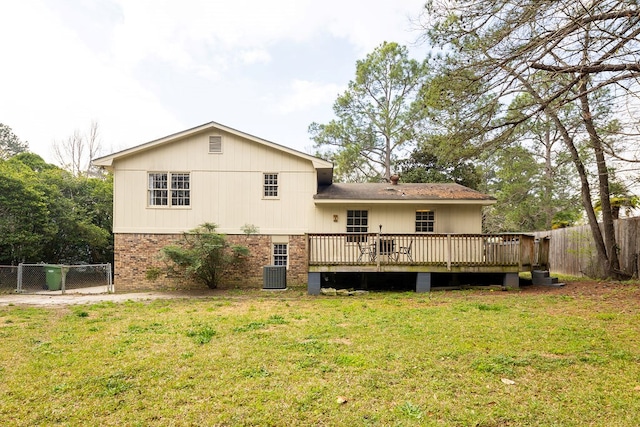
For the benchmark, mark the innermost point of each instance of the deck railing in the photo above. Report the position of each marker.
(422, 249)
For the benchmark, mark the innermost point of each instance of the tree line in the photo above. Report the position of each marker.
(49, 214)
(533, 102)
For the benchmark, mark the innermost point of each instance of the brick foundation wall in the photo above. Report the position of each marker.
(135, 254)
(298, 260)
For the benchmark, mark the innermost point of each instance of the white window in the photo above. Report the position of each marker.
(180, 189)
(425, 221)
(158, 193)
(280, 254)
(357, 222)
(169, 189)
(215, 144)
(270, 188)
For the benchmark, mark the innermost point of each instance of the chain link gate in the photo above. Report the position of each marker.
(58, 278)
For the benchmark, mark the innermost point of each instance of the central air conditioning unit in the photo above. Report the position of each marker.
(274, 277)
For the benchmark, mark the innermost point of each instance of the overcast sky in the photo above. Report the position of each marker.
(144, 69)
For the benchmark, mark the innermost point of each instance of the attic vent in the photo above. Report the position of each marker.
(215, 144)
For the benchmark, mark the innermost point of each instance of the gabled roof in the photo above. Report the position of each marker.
(409, 193)
(325, 168)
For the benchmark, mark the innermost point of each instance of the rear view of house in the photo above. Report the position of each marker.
(303, 221)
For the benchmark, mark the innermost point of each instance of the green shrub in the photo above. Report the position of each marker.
(203, 255)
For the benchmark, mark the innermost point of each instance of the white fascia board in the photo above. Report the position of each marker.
(107, 161)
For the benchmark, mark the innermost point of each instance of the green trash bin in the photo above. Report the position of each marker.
(54, 277)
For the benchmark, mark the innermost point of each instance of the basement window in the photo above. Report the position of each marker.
(280, 254)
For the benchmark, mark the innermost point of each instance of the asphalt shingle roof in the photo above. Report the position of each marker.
(386, 191)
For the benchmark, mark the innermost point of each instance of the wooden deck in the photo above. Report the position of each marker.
(437, 253)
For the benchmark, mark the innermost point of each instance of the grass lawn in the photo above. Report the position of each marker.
(456, 358)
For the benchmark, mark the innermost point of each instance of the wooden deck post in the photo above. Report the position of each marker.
(511, 280)
(449, 252)
(423, 282)
(313, 283)
(378, 254)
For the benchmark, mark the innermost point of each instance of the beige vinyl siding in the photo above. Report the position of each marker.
(226, 188)
(400, 218)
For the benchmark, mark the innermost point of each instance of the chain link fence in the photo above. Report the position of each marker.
(56, 278)
(8, 278)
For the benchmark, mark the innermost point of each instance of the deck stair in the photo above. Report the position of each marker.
(541, 277)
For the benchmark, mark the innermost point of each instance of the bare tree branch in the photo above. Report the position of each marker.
(76, 152)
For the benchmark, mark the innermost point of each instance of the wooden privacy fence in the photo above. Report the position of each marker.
(572, 250)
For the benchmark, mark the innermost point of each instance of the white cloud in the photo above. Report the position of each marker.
(366, 24)
(306, 94)
(134, 66)
(255, 56)
(192, 34)
(196, 32)
(54, 84)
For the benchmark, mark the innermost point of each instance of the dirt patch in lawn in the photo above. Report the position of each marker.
(590, 289)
